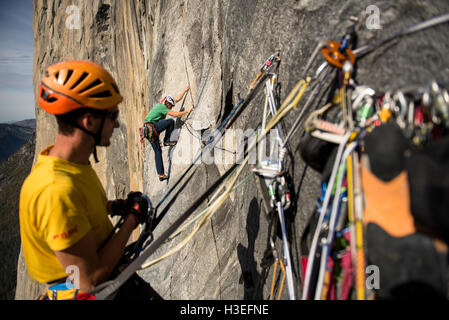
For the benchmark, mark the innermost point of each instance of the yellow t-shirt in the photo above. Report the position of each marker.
(60, 202)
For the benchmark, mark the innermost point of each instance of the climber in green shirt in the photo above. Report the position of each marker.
(156, 119)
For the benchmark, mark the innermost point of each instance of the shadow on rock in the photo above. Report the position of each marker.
(247, 261)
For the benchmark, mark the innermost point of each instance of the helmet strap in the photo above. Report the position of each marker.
(96, 136)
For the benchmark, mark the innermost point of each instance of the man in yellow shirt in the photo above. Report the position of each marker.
(63, 207)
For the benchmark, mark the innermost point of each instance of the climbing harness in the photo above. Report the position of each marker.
(148, 131)
(65, 291)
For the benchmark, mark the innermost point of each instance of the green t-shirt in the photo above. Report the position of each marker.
(158, 112)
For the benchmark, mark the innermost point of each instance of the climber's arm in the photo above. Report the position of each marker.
(180, 113)
(181, 95)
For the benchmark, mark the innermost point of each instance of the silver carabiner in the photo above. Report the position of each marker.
(440, 104)
(359, 93)
(401, 109)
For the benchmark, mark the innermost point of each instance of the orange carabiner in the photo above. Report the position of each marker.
(335, 57)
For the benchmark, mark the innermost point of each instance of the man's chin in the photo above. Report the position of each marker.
(105, 144)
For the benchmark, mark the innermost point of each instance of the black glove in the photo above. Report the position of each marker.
(137, 203)
(118, 208)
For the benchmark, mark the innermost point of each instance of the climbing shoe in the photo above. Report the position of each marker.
(170, 143)
(387, 160)
(410, 267)
(163, 177)
(410, 262)
(428, 170)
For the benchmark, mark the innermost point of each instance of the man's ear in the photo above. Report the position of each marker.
(87, 121)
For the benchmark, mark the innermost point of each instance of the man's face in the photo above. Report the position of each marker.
(170, 106)
(110, 123)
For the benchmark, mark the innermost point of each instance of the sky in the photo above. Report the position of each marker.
(16, 60)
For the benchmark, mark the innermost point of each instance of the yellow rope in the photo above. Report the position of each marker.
(283, 279)
(188, 223)
(274, 279)
(360, 262)
(358, 219)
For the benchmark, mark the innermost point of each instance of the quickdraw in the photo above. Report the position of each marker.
(271, 170)
(265, 68)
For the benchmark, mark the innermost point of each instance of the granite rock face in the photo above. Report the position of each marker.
(155, 48)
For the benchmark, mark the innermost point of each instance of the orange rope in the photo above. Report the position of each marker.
(274, 279)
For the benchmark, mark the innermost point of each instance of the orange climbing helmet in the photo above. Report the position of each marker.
(74, 84)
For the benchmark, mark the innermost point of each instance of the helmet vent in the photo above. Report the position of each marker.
(103, 94)
(46, 96)
(90, 86)
(83, 76)
(115, 88)
(69, 74)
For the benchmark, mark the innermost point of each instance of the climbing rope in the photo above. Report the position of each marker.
(182, 228)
